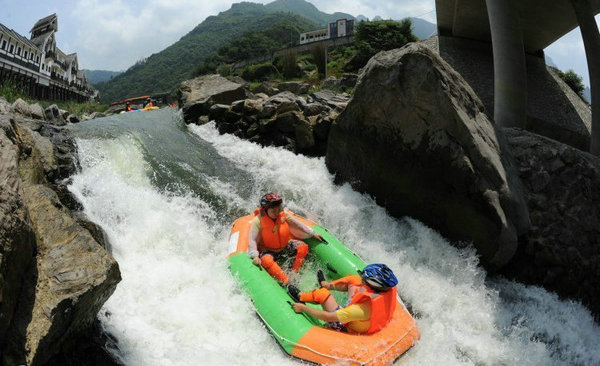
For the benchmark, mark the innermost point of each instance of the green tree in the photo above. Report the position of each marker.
(319, 56)
(573, 80)
(372, 37)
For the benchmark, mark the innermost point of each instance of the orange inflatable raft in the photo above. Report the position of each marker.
(303, 336)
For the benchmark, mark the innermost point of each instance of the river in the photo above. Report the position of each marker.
(166, 195)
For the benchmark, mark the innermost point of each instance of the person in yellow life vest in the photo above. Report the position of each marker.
(271, 237)
(371, 300)
(148, 103)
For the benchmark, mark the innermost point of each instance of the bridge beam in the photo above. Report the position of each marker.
(510, 73)
(591, 42)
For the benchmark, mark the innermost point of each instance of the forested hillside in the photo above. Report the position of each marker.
(163, 71)
(97, 76)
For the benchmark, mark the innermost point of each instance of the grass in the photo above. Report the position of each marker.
(11, 92)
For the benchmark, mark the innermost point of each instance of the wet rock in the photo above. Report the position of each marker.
(196, 96)
(429, 151)
(53, 116)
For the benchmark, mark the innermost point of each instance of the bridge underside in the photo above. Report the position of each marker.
(542, 22)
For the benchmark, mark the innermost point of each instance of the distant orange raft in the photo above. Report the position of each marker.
(303, 336)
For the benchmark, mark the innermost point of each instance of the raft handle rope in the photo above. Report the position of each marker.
(332, 356)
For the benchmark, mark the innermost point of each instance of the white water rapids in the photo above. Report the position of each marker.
(166, 195)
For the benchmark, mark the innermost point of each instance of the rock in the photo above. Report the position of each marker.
(348, 80)
(72, 118)
(17, 238)
(64, 113)
(197, 95)
(295, 87)
(53, 116)
(97, 115)
(330, 98)
(253, 107)
(313, 109)
(5, 106)
(427, 150)
(322, 126)
(65, 152)
(21, 107)
(217, 111)
(283, 102)
(330, 83)
(304, 137)
(75, 276)
(564, 206)
(238, 106)
(287, 122)
(37, 112)
(266, 87)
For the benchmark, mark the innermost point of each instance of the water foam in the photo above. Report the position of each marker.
(178, 305)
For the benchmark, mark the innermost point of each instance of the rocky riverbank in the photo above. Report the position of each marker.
(417, 137)
(55, 271)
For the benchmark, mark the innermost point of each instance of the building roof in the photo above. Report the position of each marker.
(16, 35)
(41, 39)
(44, 21)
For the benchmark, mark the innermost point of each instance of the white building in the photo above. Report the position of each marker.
(339, 28)
(38, 66)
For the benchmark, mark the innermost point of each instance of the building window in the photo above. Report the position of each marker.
(4, 44)
(25, 54)
(18, 51)
(12, 48)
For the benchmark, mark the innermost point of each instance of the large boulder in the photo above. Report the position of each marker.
(37, 112)
(561, 251)
(17, 240)
(196, 96)
(415, 136)
(72, 277)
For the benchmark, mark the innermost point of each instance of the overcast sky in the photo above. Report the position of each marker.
(114, 34)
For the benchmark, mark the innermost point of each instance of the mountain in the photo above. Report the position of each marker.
(97, 76)
(165, 70)
(307, 10)
(422, 28)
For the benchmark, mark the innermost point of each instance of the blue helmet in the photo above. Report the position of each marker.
(379, 277)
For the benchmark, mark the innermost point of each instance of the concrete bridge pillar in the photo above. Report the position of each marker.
(510, 73)
(591, 42)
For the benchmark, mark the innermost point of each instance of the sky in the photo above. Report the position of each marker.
(114, 34)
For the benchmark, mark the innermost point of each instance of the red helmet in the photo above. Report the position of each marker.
(270, 200)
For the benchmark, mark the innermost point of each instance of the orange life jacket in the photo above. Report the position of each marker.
(275, 234)
(382, 305)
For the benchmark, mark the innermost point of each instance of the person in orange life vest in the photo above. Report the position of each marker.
(371, 300)
(148, 103)
(270, 237)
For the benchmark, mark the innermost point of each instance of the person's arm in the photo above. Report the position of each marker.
(342, 284)
(309, 232)
(317, 313)
(252, 241)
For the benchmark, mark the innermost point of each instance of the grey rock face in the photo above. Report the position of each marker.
(54, 116)
(199, 94)
(414, 135)
(17, 240)
(561, 251)
(21, 107)
(37, 112)
(54, 276)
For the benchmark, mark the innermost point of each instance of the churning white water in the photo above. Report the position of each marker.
(166, 196)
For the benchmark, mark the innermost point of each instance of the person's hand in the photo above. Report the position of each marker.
(256, 260)
(298, 307)
(319, 237)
